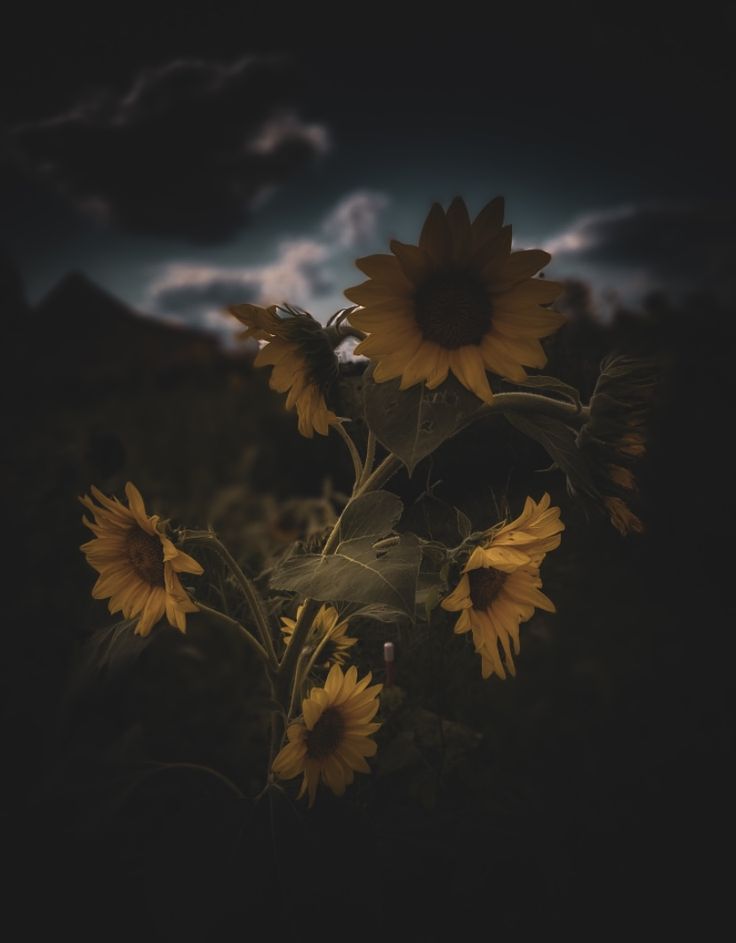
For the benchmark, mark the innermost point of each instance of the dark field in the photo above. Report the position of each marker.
(589, 796)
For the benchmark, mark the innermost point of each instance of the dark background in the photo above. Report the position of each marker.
(597, 797)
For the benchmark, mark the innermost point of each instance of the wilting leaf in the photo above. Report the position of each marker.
(371, 515)
(554, 385)
(558, 440)
(356, 572)
(413, 423)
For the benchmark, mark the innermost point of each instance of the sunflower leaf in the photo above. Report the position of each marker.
(413, 423)
(371, 515)
(540, 382)
(558, 440)
(379, 612)
(356, 572)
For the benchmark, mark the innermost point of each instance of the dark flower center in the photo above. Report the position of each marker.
(453, 309)
(146, 556)
(312, 343)
(324, 738)
(485, 585)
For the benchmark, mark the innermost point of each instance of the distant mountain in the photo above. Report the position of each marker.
(80, 332)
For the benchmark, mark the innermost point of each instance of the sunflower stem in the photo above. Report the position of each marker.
(354, 454)
(370, 457)
(380, 475)
(315, 655)
(532, 403)
(288, 665)
(233, 623)
(246, 586)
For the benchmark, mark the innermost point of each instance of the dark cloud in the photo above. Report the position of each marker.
(187, 150)
(686, 245)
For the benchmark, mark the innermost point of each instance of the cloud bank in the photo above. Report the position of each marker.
(189, 150)
(303, 271)
(679, 247)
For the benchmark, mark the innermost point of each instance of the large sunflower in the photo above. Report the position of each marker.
(461, 300)
(500, 586)
(332, 738)
(302, 358)
(137, 563)
(328, 631)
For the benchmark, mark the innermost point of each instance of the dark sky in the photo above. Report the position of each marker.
(191, 160)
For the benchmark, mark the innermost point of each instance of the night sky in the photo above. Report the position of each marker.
(188, 162)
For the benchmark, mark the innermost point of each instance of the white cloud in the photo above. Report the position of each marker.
(285, 127)
(354, 220)
(303, 271)
(587, 231)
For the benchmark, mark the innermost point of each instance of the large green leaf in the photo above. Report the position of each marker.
(371, 515)
(558, 440)
(413, 423)
(358, 571)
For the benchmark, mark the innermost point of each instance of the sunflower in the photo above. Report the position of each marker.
(500, 586)
(614, 439)
(326, 631)
(332, 738)
(459, 301)
(302, 358)
(137, 563)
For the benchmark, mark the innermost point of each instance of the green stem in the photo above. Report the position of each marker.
(532, 403)
(354, 454)
(233, 623)
(246, 587)
(380, 475)
(370, 457)
(286, 670)
(315, 655)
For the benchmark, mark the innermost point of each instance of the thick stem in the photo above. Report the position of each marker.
(246, 587)
(380, 475)
(533, 403)
(354, 454)
(370, 457)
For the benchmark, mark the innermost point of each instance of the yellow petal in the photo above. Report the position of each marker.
(488, 222)
(435, 238)
(413, 261)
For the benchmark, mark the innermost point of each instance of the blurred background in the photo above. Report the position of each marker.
(152, 172)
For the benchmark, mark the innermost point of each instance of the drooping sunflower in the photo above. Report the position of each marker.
(328, 631)
(302, 358)
(614, 439)
(501, 586)
(460, 301)
(333, 737)
(138, 564)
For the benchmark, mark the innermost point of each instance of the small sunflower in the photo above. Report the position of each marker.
(500, 586)
(332, 738)
(461, 300)
(302, 358)
(326, 625)
(137, 563)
